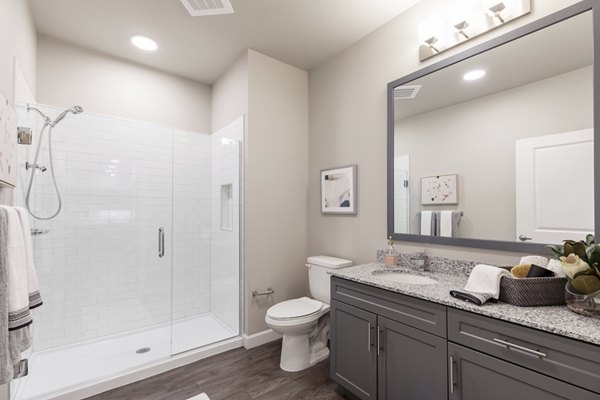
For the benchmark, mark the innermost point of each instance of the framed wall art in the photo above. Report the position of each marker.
(338, 190)
(440, 189)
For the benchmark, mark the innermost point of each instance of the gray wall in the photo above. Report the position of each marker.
(347, 98)
(274, 97)
(69, 75)
(276, 183)
(476, 140)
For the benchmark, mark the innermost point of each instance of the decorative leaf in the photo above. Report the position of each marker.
(577, 248)
(557, 250)
(589, 271)
(586, 284)
(593, 254)
(589, 239)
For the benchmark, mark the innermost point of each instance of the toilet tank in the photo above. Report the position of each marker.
(319, 275)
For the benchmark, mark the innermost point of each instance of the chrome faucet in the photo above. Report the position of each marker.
(419, 261)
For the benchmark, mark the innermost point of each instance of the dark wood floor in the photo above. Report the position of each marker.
(235, 375)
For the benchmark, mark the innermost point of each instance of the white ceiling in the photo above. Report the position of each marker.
(303, 33)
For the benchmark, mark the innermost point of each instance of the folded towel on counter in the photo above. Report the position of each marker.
(18, 285)
(483, 284)
(428, 223)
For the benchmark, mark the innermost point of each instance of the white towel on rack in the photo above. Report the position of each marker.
(33, 288)
(447, 223)
(15, 316)
(16, 274)
(427, 223)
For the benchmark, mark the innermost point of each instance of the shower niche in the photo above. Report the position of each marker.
(112, 303)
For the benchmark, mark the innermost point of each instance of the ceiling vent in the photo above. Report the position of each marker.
(201, 8)
(406, 92)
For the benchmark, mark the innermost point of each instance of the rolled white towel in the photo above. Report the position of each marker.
(556, 267)
(537, 260)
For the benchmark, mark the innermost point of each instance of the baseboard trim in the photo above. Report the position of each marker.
(260, 338)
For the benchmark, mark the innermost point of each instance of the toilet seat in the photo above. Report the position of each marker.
(295, 309)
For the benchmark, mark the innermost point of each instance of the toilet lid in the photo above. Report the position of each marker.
(296, 308)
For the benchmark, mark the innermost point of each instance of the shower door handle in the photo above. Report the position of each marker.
(161, 242)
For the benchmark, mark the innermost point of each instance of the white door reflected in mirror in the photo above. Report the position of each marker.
(554, 171)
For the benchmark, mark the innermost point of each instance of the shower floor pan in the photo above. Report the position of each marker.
(53, 372)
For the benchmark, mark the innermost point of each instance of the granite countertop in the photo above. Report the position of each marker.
(555, 319)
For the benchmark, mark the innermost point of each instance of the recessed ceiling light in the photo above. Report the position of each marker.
(473, 75)
(144, 43)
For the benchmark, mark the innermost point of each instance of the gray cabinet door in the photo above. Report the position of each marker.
(412, 363)
(476, 376)
(353, 354)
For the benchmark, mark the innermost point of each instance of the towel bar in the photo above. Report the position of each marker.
(461, 213)
(268, 292)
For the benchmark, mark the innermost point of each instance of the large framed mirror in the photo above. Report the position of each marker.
(503, 158)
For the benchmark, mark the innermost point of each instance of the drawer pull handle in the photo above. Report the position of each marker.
(516, 346)
(452, 384)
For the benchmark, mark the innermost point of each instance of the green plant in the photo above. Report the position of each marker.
(581, 263)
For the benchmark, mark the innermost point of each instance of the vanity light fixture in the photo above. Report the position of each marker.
(495, 10)
(460, 27)
(463, 20)
(144, 43)
(474, 75)
(430, 42)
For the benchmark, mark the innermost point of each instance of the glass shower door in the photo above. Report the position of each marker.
(104, 263)
(206, 230)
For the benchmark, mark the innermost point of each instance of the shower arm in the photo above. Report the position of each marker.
(47, 121)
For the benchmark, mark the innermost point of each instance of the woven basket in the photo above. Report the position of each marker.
(531, 292)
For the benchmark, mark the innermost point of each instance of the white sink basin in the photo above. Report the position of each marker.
(405, 278)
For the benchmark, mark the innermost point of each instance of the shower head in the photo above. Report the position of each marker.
(74, 110)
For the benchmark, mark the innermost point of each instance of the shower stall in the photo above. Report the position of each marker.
(142, 263)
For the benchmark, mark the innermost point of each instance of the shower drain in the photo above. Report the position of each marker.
(143, 350)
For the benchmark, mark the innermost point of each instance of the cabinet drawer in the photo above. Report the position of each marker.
(476, 376)
(420, 314)
(569, 360)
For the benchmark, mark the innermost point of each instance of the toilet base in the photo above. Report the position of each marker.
(297, 355)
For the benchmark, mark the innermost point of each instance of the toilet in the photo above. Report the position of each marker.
(304, 322)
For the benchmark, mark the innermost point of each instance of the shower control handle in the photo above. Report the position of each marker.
(161, 242)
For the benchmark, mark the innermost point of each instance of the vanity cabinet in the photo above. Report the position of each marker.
(389, 346)
(377, 354)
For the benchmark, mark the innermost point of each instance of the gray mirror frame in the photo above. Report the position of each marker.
(532, 248)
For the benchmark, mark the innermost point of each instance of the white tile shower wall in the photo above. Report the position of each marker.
(401, 194)
(225, 244)
(99, 269)
(191, 224)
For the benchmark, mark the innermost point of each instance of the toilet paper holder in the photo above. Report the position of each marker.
(268, 292)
